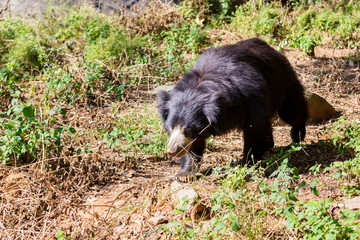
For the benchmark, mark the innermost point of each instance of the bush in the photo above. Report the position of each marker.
(25, 138)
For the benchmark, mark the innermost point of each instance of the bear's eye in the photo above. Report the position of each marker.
(188, 133)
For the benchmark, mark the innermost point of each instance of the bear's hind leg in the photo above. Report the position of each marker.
(257, 140)
(294, 112)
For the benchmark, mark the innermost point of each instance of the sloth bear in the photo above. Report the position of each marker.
(239, 86)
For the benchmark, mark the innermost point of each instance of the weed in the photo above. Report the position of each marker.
(60, 85)
(345, 136)
(180, 230)
(177, 44)
(236, 203)
(61, 235)
(310, 26)
(96, 29)
(136, 133)
(309, 219)
(26, 138)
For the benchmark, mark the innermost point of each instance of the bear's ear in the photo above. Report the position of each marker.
(163, 98)
(212, 108)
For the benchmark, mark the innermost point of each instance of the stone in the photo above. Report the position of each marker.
(157, 220)
(353, 203)
(176, 185)
(186, 194)
(319, 109)
(183, 193)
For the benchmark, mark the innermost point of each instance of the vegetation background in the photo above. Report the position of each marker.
(78, 124)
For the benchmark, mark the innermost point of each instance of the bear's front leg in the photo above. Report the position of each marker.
(190, 162)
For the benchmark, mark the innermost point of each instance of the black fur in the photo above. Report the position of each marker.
(239, 86)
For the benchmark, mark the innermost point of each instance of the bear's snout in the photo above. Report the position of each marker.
(178, 144)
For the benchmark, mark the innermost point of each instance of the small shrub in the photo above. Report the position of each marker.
(346, 137)
(309, 219)
(96, 29)
(25, 138)
(61, 85)
(178, 44)
(137, 133)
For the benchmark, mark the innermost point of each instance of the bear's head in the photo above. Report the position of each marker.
(187, 115)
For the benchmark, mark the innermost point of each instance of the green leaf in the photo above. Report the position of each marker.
(219, 225)
(62, 111)
(216, 207)
(29, 112)
(60, 235)
(313, 188)
(72, 130)
(292, 196)
(330, 236)
(235, 225)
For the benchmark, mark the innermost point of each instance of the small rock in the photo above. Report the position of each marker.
(176, 185)
(319, 109)
(186, 194)
(183, 193)
(351, 63)
(157, 220)
(353, 203)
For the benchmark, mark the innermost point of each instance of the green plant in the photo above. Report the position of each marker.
(305, 42)
(95, 29)
(310, 25)
(237, 177)
(118, 49)
(9, 88)
(137, 133)
(61, 85)
(177, 43)
(312, 220)
(60, 235)
(180, 230)
(269, 23)
(96, 79)
(346, 137)
(25, 138)
(309, 219)
(306, 20)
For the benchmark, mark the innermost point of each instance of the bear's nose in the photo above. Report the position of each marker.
(178, 144)
(177, 152)
(172, 150)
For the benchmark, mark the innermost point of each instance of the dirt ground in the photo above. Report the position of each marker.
(108, 197)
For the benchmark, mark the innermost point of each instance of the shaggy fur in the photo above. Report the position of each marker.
(239, 86)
